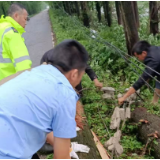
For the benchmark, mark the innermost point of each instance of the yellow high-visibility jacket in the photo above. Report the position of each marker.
(14, 55)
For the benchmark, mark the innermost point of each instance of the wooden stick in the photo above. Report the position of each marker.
(145, 148)
(102, 151)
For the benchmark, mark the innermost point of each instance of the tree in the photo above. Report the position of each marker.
(77, 8)
(67, 6)
(98, 8)
(72, 7)
(92, 5)
(85, 136)
(146, 131)
(4, 5)
(130, 26)
(107, 12)
(3, 9)
(119, 17)
(153, 13)
(64, 5)
(85, 16)
(135, 8)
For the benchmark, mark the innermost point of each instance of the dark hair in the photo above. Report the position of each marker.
(67, 55)
(14, 8)
(140, 46)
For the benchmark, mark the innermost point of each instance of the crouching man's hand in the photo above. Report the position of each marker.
(97, 83)
(121, 100)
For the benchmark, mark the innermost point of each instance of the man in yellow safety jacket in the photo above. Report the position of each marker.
(14, 55)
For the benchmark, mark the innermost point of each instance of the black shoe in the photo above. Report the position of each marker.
(46, 149)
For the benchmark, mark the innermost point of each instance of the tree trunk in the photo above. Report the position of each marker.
(3, 8)
(98, 8)
(64, 6)
(119, 17)
(85, 16)
(85, 137)
(135, 8)
(77, 8)
(92, 5)
(81, 5)
(153, 12)
(130, 27)
(107, 12)
(144, 130)
(67, 7)
(72, 7)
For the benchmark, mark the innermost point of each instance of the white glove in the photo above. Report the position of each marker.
(79, 147)
(78, 129)
(73, 154)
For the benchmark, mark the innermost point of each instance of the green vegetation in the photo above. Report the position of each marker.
(111, 70)
(32, 7)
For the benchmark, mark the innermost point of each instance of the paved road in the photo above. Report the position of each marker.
(38, 37)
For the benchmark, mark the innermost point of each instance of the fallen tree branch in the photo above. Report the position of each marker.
(152, 128)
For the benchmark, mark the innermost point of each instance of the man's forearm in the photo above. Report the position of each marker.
(130, 92)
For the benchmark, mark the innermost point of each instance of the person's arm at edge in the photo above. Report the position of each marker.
(61, 148)
(93, 77)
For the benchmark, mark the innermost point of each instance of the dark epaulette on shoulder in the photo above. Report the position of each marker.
(14, 30)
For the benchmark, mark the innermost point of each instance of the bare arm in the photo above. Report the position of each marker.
(61, 148)
(122, 99)
(50, 138)
(97, 83)
(93, 77)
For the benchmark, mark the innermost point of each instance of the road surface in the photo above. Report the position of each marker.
(38, 37)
